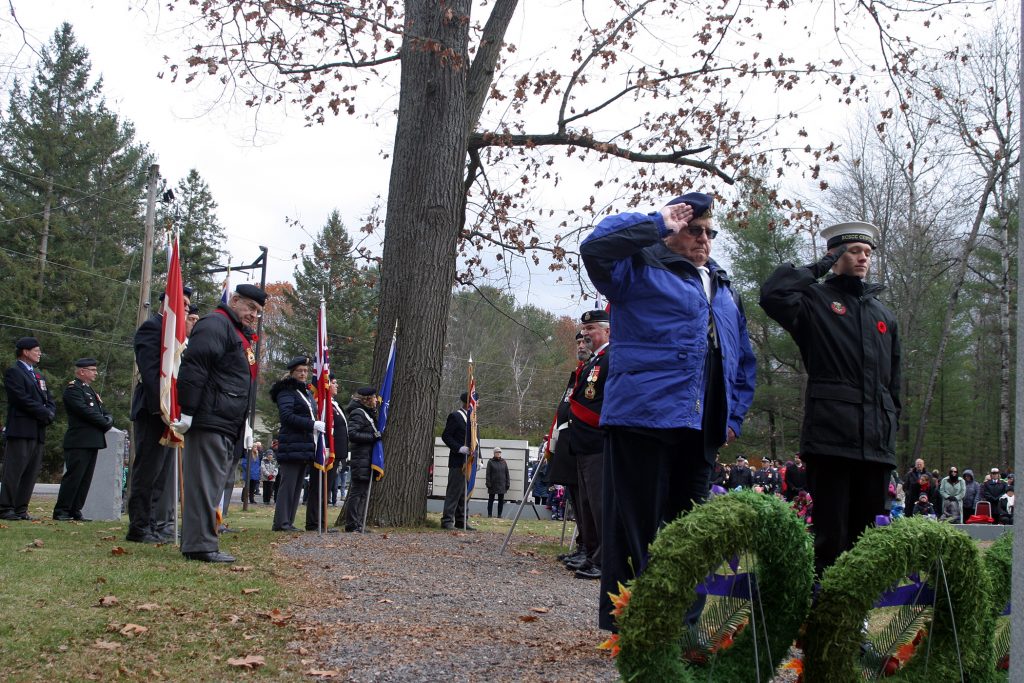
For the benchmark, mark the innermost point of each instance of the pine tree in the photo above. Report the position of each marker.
(71, 183)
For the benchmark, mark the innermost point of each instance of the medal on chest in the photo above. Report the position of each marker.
(42, 383)
(838, 308)
(250, 356)
(590, 392)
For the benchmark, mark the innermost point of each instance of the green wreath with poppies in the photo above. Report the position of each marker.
(961, 624)
(650, 611)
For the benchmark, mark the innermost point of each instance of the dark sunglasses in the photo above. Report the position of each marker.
(696, 232)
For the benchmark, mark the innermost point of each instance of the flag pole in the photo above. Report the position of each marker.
(179, 493)
(366, 508)
(522, 504)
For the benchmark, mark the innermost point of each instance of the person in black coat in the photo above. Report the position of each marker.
(740, 475)
(88, 422)
(497, 480)
(362, 434)
(215, 386)
(993, 489)
(151, 470)
(455, 436)
(340, 444)
(296, 441)
(850, 347)
(796, 477)
(30, 410)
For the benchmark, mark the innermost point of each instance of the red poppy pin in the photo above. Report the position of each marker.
(838, 308)
(882, 327)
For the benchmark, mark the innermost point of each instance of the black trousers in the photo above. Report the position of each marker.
(151, 472)
(23, 458)
(650, 478)
(316, 479)
(589, 513)
(289, 482)
(847, 495)
(79, 465)
(268, 491)
(355, 506)
(490, 503)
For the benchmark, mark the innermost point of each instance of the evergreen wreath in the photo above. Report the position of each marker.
(882, 557)
(682, 555)
(999, 563)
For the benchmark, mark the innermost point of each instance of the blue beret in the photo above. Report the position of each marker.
(366, 391)
(297, 361)
(701, 203)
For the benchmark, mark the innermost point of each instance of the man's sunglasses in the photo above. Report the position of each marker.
(696, 232)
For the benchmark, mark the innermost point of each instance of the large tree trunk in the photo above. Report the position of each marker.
(1005, 344)
(422, 229)
(44, 240)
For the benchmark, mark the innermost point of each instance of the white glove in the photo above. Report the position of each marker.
(464, 450)
(183, 424)
(319, 427)
(247, 439)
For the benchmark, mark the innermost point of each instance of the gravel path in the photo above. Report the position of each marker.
(433, 606)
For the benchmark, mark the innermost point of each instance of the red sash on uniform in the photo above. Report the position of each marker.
(580, 411)
(249, 353)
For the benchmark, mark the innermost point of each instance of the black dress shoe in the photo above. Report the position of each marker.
(26, 517)
(448, 527)
(328, 530)
(211, 556)
(289, 527)
(11, 517)
(575, 565)
(225, 529)
(63, 518)
(465, 527)
(145, 537)
(80, 518)
(590, 572)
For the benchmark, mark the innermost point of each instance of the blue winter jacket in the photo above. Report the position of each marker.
(659, 328)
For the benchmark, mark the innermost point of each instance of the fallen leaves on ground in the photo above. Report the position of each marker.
(108, 601)
(323, 673)
(347, 577)
(540, 610)
(132, 630)
(105, 645)
(527, 618)
(241, 567)
(118, 550)
(36, 543)
(247, 662)
(147, 607)
(250, 591)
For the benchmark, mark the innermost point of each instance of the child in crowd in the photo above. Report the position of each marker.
(924, 507)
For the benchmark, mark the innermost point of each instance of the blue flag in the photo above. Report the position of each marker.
(377, 459)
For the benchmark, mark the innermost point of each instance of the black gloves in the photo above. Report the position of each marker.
(826, 262)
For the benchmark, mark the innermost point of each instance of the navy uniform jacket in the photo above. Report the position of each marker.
(88, 419)
(30, 406)
(454, 437)
(146, 398)
(850, 346)
(585, 434)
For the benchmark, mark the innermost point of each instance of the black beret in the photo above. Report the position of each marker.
(579, 335)
(463, 396)
(252, 292)
(26, 343)
(331, 376)
(701, 203)
(366, 391)
(297, 361)
(598, 315)
(86, 363)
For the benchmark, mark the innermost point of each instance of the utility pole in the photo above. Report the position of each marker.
(147, 245)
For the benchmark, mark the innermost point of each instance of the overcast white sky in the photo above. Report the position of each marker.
(259, 178)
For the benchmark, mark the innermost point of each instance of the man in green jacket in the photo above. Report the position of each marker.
(88, 422)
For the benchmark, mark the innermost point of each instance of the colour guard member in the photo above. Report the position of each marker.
(88, 422)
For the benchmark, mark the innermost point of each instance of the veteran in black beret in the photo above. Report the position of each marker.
(151, 468)
(30, 410)
(88, 422)
(362, 434)
(850, 346)
(216, 382)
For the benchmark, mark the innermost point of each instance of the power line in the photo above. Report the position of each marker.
(77, 270)
(64, 334)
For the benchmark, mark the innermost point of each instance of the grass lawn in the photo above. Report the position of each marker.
(78, 602)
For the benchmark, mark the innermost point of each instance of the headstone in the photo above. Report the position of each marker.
(104, 499)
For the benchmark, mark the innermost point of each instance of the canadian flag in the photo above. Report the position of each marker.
(172, 343)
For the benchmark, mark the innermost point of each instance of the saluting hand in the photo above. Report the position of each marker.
(677, 217)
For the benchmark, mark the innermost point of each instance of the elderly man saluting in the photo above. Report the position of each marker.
(851, 351)
(215, 384)
(680, 381)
